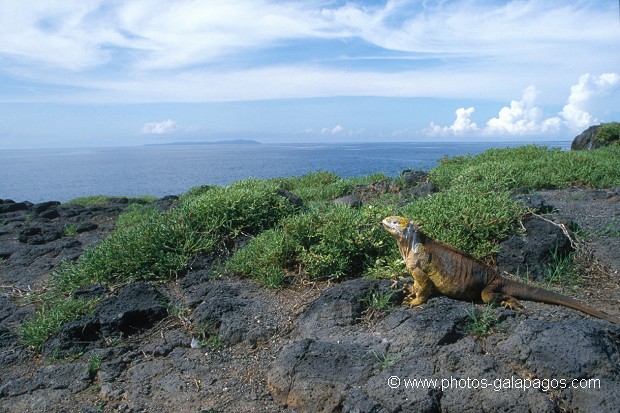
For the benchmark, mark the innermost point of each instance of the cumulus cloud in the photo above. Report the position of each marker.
(575, 111)
(522, 117)
(461, 126)
(525, 117)
(333, 131)
(463, 123)
(340, 130)
(160, 128)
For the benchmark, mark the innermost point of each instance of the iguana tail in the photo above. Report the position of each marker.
(531, 293)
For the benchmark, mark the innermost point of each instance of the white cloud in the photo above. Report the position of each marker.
(575, 111)
(275, 82)
(178, 34)
(522, 117)
(58, 34)
(333, 131)
(461, 126)
(340, 130)
(463, 123)
(157, 50)
(160, 128)
(163, 34)
(337, 129)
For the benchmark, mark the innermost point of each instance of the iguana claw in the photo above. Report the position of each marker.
(513, 304)
(411, 290)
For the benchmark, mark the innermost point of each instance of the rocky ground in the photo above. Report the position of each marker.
(202, 343)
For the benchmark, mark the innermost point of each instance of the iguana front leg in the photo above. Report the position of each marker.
(489, 296)
(412, 289)
(421, 289)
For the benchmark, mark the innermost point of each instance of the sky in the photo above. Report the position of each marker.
(88, 73)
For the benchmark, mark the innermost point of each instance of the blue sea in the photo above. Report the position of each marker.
(39, 175)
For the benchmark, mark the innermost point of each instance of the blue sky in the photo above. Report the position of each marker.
(106, 73)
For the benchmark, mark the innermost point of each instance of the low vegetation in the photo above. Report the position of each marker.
(468, 216)
(377, 302)
(208, 337)
(50, 317)
(97, 200)
(483, 323)
(383, 360)
(327, 241)
(532, 167)
(94, 364)
(608, 134)
(135, 214)
(323, 186)
(319, 240)
(70, 230)
(563, 270)
(155, 246)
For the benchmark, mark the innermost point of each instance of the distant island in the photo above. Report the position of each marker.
(225, 142)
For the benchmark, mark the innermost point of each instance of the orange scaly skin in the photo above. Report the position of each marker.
(438, 267)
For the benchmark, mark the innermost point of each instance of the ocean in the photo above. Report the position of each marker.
(39, 175)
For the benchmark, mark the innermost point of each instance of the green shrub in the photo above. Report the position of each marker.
(327, 241)
(530, 166)
(377, 301)
(608, 134)
(87, 201)
(337, 241)
(49, 318)
(155, 246)
(323, 186)
(387, 267)
(266, 258)
(135, 214)
(153, 249)
(245, 207)
(315, 186)
(470, 219)
(197, 191)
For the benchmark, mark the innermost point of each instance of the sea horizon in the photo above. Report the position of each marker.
(62, 174)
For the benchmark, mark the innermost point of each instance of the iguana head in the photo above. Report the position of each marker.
(406, 233)
(400, 227)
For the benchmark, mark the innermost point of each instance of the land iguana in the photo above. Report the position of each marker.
(439, 267)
